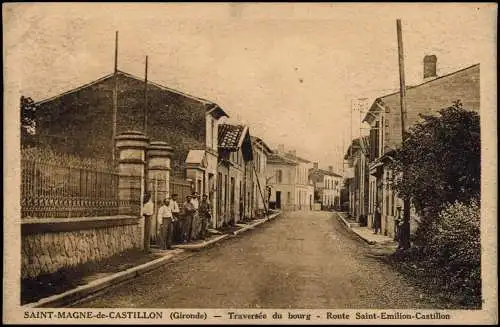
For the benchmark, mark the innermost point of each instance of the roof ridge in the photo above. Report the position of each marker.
(100, 79)
(121, 72)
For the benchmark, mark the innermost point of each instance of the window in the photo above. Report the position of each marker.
(279, 176)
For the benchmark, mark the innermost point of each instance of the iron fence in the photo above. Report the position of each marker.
(181, 187)
(58, 190)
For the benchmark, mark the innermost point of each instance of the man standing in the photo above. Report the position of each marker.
(147, 212)
(174, 208)
(189, 210)
(196, 217)
(204, 212)
(377, 220)
(165, 218)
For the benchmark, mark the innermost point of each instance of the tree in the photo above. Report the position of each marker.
(28, 124)
(440, 158)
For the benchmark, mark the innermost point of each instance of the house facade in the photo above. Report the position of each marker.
(327, 185)
(384, 118)
(261, 151)
(288, 176)
(358, 179)
(234, 175)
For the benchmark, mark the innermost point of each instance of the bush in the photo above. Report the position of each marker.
(454, 245)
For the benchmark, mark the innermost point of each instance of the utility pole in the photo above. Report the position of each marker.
(115, 98)
(146, 182)
(405, 231)
(146, 98)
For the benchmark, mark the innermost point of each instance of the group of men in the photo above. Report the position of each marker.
(179, 224)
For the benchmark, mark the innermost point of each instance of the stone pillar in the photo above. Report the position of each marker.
(132, 147)
(158, 171)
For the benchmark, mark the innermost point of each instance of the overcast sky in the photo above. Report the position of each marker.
(288, 71)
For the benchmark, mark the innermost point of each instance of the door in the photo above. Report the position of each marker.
(278, 199)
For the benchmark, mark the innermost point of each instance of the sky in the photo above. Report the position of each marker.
(291, 72)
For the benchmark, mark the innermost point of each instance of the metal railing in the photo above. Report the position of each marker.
(57, 190)
(180, 187)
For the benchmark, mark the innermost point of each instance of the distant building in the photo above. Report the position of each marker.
(384, 117)
(327, 185)
(288, 176)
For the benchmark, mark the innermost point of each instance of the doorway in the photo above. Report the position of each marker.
(278, 199)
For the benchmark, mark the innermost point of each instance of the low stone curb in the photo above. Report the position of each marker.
(257, 223)
(71, 296)
(348, 225)
(200, 245)
(80, 292)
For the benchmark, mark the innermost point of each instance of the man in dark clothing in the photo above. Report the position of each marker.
(204, 212)
(377, 220)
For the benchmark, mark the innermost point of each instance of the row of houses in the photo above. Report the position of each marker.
(239, 172)
(369, 181)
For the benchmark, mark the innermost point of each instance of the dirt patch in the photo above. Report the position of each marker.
(66, 279)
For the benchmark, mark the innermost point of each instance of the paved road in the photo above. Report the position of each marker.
(299, 260)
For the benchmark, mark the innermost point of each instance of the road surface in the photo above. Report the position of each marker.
(299, 260)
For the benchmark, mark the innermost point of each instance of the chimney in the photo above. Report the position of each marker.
(430, 67)
(293, 152)
(315, 165)
(330, 168)
(281, 148)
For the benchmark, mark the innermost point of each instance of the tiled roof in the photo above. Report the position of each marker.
(280, 159)
(230, 136)
(322, 172)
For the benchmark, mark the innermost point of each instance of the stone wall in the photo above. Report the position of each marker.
(48, 246)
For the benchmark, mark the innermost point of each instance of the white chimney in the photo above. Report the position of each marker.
(316, 165)
(281, 148)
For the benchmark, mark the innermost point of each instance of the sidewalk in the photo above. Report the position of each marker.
(365, 233)
(100, 279)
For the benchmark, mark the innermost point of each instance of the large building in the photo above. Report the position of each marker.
(384, 118)
(80, 121)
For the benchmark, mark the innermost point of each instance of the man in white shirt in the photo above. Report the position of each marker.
(176, 211)
(166, 219)
(147, 212)
(195, 229)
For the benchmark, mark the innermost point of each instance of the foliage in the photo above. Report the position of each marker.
(454, 247)
(28, 110)
(440, 158)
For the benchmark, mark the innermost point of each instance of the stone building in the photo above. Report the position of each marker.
(384, 118)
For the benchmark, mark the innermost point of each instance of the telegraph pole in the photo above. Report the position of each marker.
(115, 98)
(146, 98)
(405, 231)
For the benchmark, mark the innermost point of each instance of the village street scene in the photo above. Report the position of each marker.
(249, 162)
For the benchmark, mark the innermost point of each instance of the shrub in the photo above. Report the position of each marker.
(454, 245)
